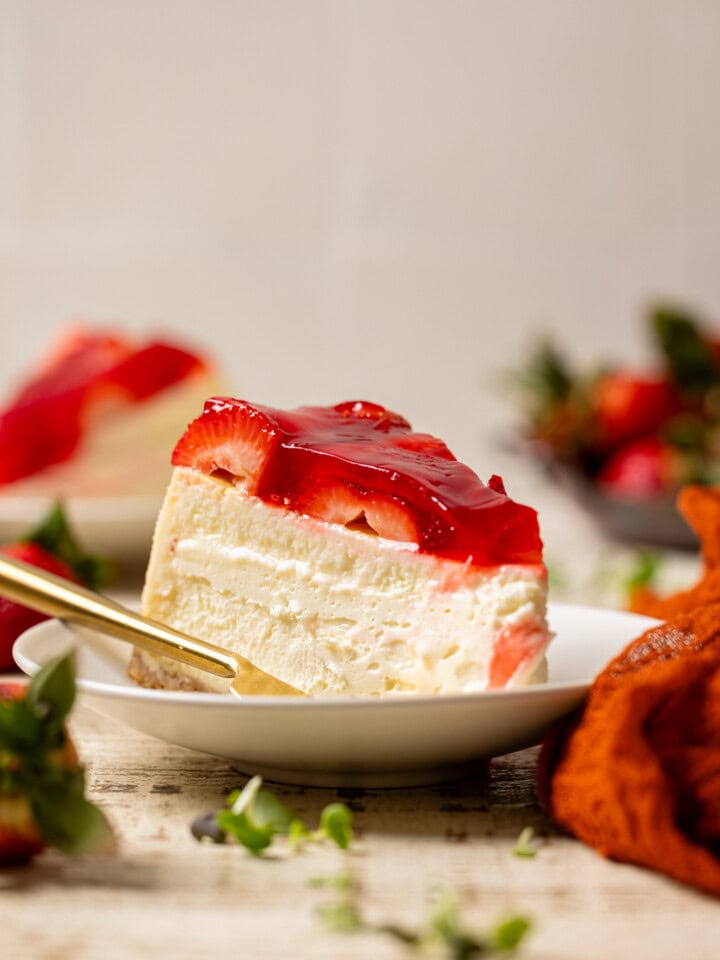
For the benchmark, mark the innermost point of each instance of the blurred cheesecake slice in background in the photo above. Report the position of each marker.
(99, 415)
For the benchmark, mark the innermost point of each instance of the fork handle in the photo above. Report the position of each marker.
(57, 597)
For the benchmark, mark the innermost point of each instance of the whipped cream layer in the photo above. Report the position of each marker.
(331, 609)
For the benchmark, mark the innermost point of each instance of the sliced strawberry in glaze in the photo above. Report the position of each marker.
(230, 437)
(334, 503)
(390, 518)
(338, 503)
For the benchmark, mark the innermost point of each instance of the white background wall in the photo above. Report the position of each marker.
(381, 199)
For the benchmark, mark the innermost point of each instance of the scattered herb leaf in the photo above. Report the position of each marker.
(444, 927)
(509, 934)
(333, 881)
(341, 917)
(254, 817)
(523, 847)
(336, 824)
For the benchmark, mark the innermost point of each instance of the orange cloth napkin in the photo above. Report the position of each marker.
(636, 774)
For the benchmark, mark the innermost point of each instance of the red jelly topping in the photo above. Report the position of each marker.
(359, 463)
(44, 422)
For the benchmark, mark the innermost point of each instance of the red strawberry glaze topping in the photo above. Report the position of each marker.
(358, 462)
(44, 422)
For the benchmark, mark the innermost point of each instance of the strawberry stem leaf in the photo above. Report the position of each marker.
(54, 535)
(52, 690)
(37, 762)
(66, 819)
(548, 376)
(690, 361)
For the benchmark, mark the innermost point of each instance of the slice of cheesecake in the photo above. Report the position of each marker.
(345, 554)
(98, 414)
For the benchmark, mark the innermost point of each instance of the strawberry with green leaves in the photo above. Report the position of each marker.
(52, 547)
(635, 435)
(628, 406)
(42, 785)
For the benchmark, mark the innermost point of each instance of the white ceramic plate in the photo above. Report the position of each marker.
(340, 740)
(119, 527)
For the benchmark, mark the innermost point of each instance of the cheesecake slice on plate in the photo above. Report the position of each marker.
(345, 554)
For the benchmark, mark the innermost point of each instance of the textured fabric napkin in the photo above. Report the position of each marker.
(636, 774)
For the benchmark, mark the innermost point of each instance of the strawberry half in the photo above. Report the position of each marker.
(229, 437)
(50, 546)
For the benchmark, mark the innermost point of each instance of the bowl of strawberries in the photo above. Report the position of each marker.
(622, 441)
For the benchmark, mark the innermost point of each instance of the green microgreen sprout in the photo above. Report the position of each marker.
(443, 929)
(523, 847)
(253, 817)
(336, 825)
(334, 881)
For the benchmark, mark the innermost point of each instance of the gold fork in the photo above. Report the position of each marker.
(57, 597)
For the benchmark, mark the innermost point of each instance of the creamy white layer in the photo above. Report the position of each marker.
(125, 448)
(326, 608)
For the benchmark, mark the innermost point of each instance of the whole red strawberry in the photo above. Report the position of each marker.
(627, 407)
(52, 547)
(641, 469)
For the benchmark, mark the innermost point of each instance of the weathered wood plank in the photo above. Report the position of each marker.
(165, 895)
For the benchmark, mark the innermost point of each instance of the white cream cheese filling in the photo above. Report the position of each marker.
(326, 608)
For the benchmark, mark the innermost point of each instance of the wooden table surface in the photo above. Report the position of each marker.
(166, 895)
